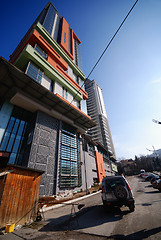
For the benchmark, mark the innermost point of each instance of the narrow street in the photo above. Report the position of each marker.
(94, 223)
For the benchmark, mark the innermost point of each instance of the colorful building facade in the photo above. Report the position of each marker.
(43, 107)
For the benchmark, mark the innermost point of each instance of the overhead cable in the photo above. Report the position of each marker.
(105, 49)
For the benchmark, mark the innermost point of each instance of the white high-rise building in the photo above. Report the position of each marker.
(96, 110)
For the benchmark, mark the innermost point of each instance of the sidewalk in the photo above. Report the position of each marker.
(54, 218)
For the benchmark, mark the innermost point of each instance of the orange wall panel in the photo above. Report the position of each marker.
(64, 43)
(100, 166)
(65, 35)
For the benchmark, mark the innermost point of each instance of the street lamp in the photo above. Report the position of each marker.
(156, 121)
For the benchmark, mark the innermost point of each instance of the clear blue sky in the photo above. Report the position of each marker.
(130, 71)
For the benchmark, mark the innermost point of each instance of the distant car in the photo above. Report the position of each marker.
(145, 175)
(150, 176)
(117, 192)
(156, 177)
(142, 171)
(157, 184)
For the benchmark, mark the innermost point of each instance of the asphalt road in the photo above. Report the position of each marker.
(145, 222)
(93, 222)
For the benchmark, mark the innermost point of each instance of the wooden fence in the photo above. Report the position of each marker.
(19, 194)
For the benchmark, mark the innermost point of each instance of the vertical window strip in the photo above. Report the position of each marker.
(14, 135)
(70, 160)
(49, 19)
(65, 37)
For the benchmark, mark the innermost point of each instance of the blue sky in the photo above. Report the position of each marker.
(130, 71)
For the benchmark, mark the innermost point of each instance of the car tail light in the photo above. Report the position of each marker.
(109, 203)
(103, 189)
(128, 186)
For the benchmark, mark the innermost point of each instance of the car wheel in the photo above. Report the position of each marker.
(120, 192)
(131, 207)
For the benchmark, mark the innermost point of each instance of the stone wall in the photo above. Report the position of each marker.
(43, 155)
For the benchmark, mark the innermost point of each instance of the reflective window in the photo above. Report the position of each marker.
(40, 51)
(69, 40)
(49, 19)
(65, 37)
(70, 175)
(64, 93)
(34, 72)
(91, 149)
(37, 74)
(14, 134)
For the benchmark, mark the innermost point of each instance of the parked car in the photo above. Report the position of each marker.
(142, 171)
(117, 192)
(145, 175)
(154, 178)
(157, 184)
(151, 176)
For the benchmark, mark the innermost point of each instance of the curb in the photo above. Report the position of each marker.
(45, 209)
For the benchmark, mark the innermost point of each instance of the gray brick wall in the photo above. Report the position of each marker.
(43, 154)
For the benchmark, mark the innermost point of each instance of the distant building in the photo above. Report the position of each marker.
(96, 110)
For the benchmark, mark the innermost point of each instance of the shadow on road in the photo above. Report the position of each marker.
(137, 235)
(148, 203)
(152, 192)
(148, 186)
(87, 218)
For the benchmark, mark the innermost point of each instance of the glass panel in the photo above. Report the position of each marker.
(12, 158)
(9, 148)
(10, 125)
(21, 127)
(5, 141)
(41, 51)
(69, 158)
(14, 133)
(49, 19)
(16, 144)
(34, 72)
(69, 40)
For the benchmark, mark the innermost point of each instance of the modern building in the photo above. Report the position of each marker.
(96, 110)
(43, 116)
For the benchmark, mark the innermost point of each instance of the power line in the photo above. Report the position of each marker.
(112, 38)
(105, 49)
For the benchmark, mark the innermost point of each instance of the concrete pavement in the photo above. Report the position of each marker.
(54, 217)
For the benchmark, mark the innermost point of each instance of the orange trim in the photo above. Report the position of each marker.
(84, 93)
(35, 37)
(100, 166)
(20, 46)
(53, 58)
(64, 43)
(50, 51)
(72, 105)
(75, 37)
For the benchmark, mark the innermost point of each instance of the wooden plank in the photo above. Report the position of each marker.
(21, 192)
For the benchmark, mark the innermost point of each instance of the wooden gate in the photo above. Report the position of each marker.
(19, 194)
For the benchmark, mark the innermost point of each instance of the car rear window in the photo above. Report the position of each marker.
(110, 184)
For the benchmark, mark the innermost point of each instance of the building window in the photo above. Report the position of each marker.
(34, 72)
(70, 175)
(40, 51)
(64, 93)
(91, 150)
(69, 40)
(16, 134)
(64, 37)
(37, 74)
(49, 19)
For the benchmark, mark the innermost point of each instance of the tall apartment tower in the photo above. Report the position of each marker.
(43, 115)
(96, 109)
